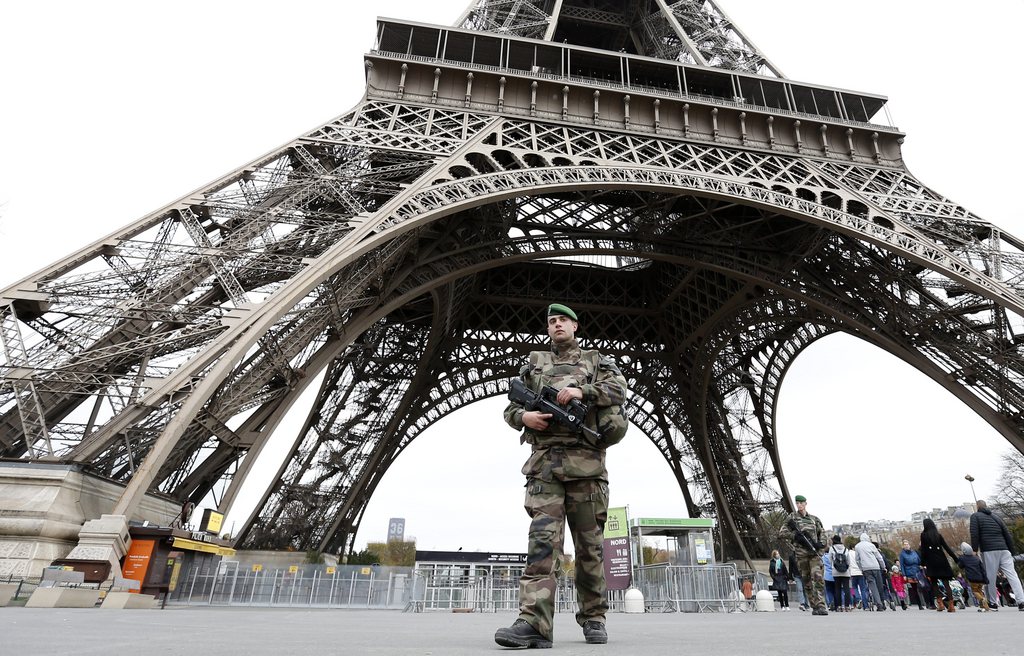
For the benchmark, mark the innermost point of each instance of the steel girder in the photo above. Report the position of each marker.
(692, 31)
(731, 229)
(407, 248)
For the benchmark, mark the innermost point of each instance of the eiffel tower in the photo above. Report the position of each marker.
(643, 161)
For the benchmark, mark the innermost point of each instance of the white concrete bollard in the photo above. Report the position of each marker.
(633, 601)
(764, 602)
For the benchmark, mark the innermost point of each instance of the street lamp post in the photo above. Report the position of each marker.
(970, 479)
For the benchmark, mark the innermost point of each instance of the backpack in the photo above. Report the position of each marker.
(612, 422)
(840, 561)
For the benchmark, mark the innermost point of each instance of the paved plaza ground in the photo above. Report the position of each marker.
(256, 631)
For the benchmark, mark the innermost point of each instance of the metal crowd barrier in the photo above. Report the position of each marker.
(443, 589)
(347, 586)
(666, 588)
(690, 589)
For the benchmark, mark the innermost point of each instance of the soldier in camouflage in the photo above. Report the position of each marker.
(566, 479)
(807, 536)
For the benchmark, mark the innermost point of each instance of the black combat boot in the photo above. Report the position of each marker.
(594, 632)
(521, 634)
(819, 611)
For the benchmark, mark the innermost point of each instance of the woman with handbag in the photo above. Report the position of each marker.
(936, 566)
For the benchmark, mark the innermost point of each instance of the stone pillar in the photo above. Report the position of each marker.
(104, 539)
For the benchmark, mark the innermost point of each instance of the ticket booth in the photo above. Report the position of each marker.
(160, 557)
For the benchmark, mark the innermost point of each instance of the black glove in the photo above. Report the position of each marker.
(819, 546)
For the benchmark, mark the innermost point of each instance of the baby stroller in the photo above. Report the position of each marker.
(958, 593)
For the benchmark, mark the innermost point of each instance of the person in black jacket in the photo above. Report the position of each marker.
(780, 579)
(991, 538)
(936, 566)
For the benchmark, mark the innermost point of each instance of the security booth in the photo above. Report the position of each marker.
(690, 541)
(689, 580)
(162, 559)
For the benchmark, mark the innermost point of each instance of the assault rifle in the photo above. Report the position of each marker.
(570, 416)
(801, 537)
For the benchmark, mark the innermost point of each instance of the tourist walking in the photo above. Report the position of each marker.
(991, 538)
(1005, 594)
(840, 557)
(910, 566)
(871, 563)
(830, 582)
(888, 594)
(974, 572)
(858, 586)
(780, 579)
(933, 546)
(899, 586)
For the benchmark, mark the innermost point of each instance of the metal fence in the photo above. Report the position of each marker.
(344, 586)
(438, 590)
(666, 588)
(690, 589)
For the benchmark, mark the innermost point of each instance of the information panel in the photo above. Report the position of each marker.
(618, 566)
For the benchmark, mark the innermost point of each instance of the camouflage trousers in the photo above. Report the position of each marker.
(813, 574)
(584, 504)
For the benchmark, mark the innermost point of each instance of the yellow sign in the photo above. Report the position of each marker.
(293, 569)
(212, 521)
(257, 568)
(207, 547)
(175, 572)
(366, 571)
(330, 570)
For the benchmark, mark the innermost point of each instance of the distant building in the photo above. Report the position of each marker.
(885, 530)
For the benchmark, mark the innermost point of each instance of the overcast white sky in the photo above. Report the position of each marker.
(111, 110)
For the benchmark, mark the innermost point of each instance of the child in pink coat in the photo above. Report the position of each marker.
(899, 584)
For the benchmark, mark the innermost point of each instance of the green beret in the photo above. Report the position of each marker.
(557, 308)
(800, 498)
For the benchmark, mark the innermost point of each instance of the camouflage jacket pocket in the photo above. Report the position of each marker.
(565, 464)
(584, 463)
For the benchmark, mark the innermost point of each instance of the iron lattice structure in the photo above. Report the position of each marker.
(642, 161)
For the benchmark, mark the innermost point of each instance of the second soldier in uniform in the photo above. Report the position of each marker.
(807, 534)
(566, 480)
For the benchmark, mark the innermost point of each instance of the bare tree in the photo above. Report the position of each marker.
(1009, 494)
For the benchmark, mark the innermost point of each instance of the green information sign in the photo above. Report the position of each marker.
(618, 564)
(617, 526)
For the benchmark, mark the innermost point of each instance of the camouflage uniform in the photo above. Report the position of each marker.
(566, 480)
(812, 571)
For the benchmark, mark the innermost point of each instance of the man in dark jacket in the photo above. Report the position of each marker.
(992, 539)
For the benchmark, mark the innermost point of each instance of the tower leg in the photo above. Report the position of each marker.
(103, 540)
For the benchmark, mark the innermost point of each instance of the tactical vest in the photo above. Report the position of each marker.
(609, 421)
